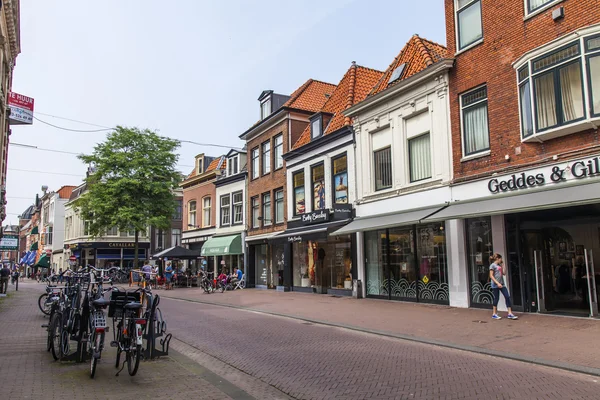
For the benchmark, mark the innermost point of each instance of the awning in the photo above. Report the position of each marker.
(310, 232)
(223, 245)
(387, 221)
(544, 199)
(177, 252)
(43, 262)
(34, 246)
(257, 238)
(34, 231)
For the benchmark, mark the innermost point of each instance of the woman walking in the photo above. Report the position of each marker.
(497, 272)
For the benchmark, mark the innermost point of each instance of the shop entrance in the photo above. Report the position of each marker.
(551, 259)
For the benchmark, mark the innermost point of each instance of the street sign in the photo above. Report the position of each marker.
(48, 252)
(9, 242)
(72, 258)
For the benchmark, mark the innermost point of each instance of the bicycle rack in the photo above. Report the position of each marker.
(156, 329)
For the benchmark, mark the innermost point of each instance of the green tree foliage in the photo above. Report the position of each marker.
(131, 183)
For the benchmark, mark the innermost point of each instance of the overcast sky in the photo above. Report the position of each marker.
(190, 69)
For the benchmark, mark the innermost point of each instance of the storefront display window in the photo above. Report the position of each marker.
(479, 250)
(403, 271)
(300, 260)
(276, 273)
(340, 179)
(431, 248)
(318, 183)
(261, 262)
(376, 268)
(299, 203)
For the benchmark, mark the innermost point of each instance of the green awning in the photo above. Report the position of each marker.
(223, 245)
(34, 231)
(34, 246)
(43, 262)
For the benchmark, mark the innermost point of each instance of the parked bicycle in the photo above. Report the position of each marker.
(207, 282)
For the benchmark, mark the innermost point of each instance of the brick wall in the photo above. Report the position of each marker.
(276, 179)
(198, 193)
(506, 37)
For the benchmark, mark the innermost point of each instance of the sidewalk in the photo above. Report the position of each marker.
(562, 342)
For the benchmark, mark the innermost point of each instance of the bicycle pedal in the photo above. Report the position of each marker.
(114, 344)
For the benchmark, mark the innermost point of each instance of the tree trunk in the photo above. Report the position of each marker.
(135, 249)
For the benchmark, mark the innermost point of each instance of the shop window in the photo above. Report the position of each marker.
(279, 217)
(238, 208)
(278, 149)
(318, 183)
(469, 22)
(225, 210)
(266, 157)
(340, 179)
(433, 272)
(474, 106)
(261, 261)
(299, 201)
(255, 163)
(206, 212)
(479, 250)
(266, 211)
(192, 214)
(255, 212)
(382, 160)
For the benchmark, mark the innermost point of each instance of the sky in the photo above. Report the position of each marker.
(189, 69)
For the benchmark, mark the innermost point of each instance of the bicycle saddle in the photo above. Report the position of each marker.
(133, 306)
(101, 302)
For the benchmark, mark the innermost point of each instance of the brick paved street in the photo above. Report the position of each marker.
(550, 338)
(29, 372)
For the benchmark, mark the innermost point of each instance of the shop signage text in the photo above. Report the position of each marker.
(21, 109)
(106, 245)
(293, 239)
(195, 239)
(9, 242)
(315, 217)
(578, 170)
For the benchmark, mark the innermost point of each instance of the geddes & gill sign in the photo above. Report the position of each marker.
(554, 174)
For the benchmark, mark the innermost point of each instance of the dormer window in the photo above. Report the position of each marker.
(316, 126)
(265, 108)
(200, 162)
(232, 166)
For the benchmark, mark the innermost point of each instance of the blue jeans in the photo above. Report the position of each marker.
(504, 291)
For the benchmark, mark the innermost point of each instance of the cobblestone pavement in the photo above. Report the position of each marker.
(536, 337)
(29, 372)
(312, 361)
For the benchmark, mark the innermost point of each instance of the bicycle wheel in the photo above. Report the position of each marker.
(56, 328)
(118, 340)
(133, 357)
(42, 304)
(98, 340)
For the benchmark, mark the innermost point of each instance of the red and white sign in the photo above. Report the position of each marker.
(21, 109)
(72, 258)
(48, 252)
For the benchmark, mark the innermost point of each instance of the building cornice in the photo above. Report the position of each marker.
(11, 13)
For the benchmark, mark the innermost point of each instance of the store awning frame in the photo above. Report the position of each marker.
(35, 231)
(43, 262)
(34, 246)
(309, 232)
(389, 220)
(222, 246)
(177, 252)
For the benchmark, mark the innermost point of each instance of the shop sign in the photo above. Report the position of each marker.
(195, 239)
(48, 252)
(342, 212)
(21, 109)
(9, 242)
(315, 217)
(106, 245)
(292, 239)
(581, 169)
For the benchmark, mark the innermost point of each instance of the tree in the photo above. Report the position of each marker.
(130, 184)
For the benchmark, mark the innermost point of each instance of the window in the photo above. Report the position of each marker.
(419, 156)
(383, 168)
(86, 228)
(534, 5)
(238, 208)
(49, 235)
(592, 46)
(192, 214)
(340, 179)
(279, 206)
(114, 231)
(235, 165)
(206, 205)
(255, 162)
(178, 212)
(266, 157)
(266, 214)
(525, 102)
(318, 182)
(200, 165)
(476, 137)
(469, 22)
(299, 203)
(278, 148)
(160, 239)
(175, 237)
(225, 210)
(265, 109)
(255, 212)
(315, 128)
(232, 166)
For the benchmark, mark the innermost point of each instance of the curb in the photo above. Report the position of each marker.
(472, 349)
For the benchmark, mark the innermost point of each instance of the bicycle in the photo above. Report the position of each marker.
(206, 283)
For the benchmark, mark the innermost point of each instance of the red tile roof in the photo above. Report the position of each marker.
(311, 96)
(354, 87)
(417, 54)
(65, 191)
(211, 167)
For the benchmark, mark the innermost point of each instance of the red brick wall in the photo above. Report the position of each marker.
(506, 37)
(198, 193)
(275, 179)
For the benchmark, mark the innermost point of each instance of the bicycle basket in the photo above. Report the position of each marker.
(118, 301)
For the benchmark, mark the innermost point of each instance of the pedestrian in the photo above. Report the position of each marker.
(497, 272)
(169, 275)
(38, 275)
(147, 270)
(4, 276)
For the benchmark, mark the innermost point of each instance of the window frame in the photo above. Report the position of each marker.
(531, 12)
(266, 102)
(233, 205)
(255, 169)
(312, 186)
(253, 210)
(159, 239)
(275, 150)
(589, 54)
(175, 237)
(227, 207)
(267, 164)
(276, 220)
(195, 223)
(178, 215)
(300, 171)
(263, 208)
(204, 209)
(375, 169)
(333, 174)
(318, 117)
(457, 12)
(462, 109)
(408, 140)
